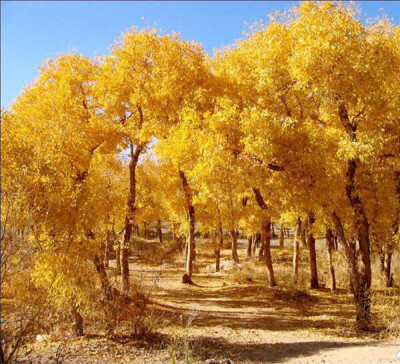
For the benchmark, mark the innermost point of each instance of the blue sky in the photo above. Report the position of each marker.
(33, 31)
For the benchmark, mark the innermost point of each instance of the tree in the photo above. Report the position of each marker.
(143, 85)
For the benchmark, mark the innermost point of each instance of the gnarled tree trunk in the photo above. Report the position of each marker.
(130, 216)
(358, 279)
(266, 236)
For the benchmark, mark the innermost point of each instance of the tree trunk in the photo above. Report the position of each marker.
(361, 278)
(266, 237)
(77, 320)
(382, 261)
(130, 216)
(187, 277)
(249, 245)
(387, 267)
(159, 230)
(217, 259)
(125, 256)
(273, 230)
(359, 283)
(118, 257)
(219, 245)
(282, 237)
(313, 254)
(303, 238)
(107, 249)
(330, 246)
(255, 241)
(234, 236)
(261, 243)
(296, 252)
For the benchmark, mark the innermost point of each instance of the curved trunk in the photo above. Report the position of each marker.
(130, 217)
(361, 278)
(330, 246)
(234, 236)
(313, 253)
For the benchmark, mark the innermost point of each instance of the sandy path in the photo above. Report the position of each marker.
(239, 322)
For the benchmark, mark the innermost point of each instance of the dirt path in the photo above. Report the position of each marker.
(249, 323)
(233, 315)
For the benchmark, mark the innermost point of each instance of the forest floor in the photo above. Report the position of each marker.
(234, 315)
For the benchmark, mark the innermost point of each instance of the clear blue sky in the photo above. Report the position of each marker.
(33, 31)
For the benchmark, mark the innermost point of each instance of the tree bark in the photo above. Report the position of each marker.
(219, 245)
(387, 264)
(361, 278)
(296, 252)
(330, 246)
(234, 237)
(266, 237)
(249, 245)
(187, 277)
(313, 253)
(130, 216)
(282, 237)
(303, 238)
(361, 289)
(107, 249)
(217, 259)
(118, 257)
(255, 242)
(273, 230)
(77, 320)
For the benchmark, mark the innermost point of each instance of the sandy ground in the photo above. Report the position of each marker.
(225, 318)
